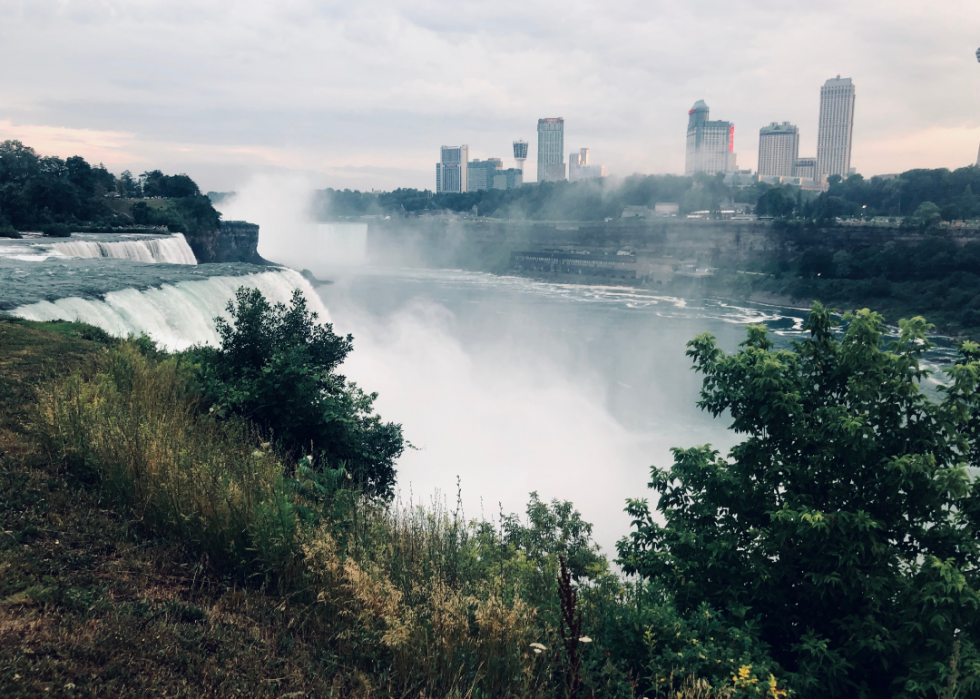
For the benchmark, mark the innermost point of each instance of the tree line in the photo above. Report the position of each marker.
(52, 195)
(923, 197)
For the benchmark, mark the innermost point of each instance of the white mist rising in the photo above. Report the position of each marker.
(502, 418)
(287, 232)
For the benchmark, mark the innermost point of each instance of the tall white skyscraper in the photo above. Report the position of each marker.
(451, 174)
(551, 149)
(779, 148)
(836, 128)
(710, 144)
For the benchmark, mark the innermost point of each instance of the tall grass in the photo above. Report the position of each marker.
(403, 600)
(132, 424)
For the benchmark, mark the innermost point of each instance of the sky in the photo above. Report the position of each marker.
(361, 95)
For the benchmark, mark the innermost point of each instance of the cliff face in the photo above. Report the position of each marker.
(234, 241)
(487, 245)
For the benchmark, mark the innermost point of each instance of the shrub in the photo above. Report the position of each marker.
(844, 527)
(56, 230)
(278, 367)
(8, 231)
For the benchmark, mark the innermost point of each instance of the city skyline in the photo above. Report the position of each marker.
(222, 93)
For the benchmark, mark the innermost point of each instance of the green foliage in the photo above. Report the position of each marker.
(381, 598)
(949, 195)
(54, 196)
(778, 202)
(278, 368)
(843, 529)
(156, 184)
(190, 214)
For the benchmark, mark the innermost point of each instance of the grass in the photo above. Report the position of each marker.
(147, 549)
(91, 604)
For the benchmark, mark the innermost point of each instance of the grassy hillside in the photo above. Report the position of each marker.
(90, 603)
(146, 549)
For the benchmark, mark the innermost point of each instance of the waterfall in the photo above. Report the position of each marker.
(172, 250)
(175, 315)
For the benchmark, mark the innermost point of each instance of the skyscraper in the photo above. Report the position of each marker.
(579, 167)
(551, 149)
(451, 169)
(520, 154)
(779, 148)
(480, 174)
(836, 128)
(710, 144)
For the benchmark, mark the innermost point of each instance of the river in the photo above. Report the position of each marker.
(513, 386)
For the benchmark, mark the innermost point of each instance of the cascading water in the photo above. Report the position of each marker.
(177, 315)
(170, 250)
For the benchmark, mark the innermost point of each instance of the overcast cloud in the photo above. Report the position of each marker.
(362, 94)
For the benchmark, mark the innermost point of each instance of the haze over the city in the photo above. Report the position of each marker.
(362, 95)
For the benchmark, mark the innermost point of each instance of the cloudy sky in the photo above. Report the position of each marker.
(362, 94)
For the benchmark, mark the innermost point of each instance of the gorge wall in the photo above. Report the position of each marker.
(486, 245)
(234, 241)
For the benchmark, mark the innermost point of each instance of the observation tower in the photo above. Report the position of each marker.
(520, 154)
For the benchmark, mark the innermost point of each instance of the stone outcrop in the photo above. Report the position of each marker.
(234, 241)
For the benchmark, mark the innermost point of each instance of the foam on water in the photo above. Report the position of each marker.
(170, 249)
(175, 315)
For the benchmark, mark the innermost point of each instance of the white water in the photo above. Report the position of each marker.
(173, 250)
(177, 315)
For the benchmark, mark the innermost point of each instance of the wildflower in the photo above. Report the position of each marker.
(585, 639)
(537, 651)
(538, 647)
(775, 691)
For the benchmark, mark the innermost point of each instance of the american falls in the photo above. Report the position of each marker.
(172, 249)
(175, 315)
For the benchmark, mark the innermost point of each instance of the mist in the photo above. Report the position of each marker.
(507, 385)
(501, 418)
(289, 235)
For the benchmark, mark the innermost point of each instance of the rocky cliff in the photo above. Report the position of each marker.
(234, 241)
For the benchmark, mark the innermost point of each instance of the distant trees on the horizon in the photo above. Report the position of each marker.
(955, 195)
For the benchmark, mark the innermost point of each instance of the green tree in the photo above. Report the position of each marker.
(927, 214)
(844, 528)
(278, 367)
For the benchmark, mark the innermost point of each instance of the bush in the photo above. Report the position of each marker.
(56, 230)
(844, 528)
(278, 367)
(8, 231)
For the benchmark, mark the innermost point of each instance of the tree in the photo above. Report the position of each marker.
(277, 366)
(844, 529)
(927, 214)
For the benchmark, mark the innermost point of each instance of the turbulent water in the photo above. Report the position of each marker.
(169, 249)
(175, 305)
